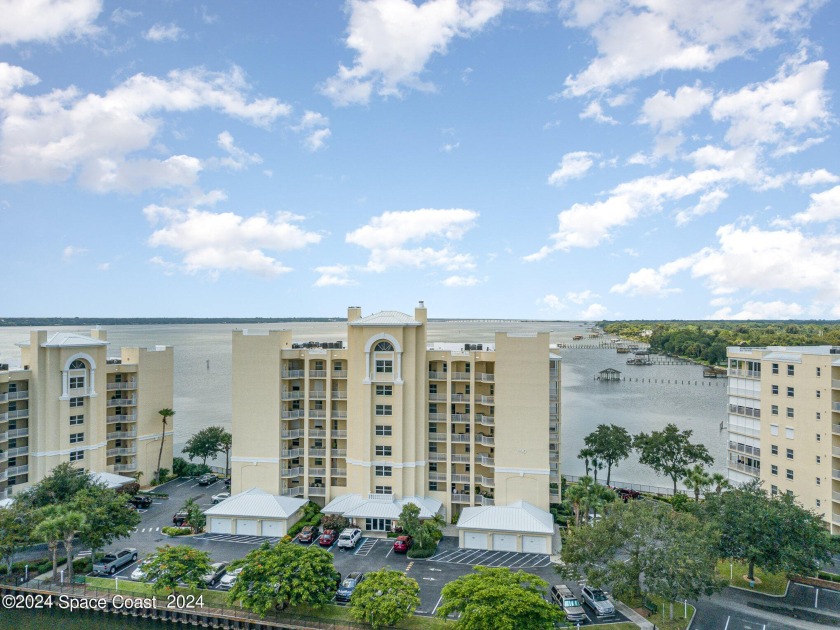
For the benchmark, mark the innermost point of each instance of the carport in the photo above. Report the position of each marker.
(519, 527)
(254, 513)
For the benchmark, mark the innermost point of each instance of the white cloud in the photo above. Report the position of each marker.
(593, 312)
(450, 147)
(709, 202)
(54, 136)
(825, 206)
(639, 38)
(581, 296)
(653, 282)
(460, 281)
(317, 140)
(334, 276)
(667, 113)
(237, 159)
(395, 39)
(46, 20)
(817, 177)
(312, 120)
(552, 302)
(124, 16)
(316, 128)
(164, 33)
(386, 237)
(574, 165)
(595, 112)
(71, 251)
(762, 310)
(225, 241)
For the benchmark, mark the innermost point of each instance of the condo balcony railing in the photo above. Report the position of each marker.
(553, 456)
(437, 397)
(437, 417)
(457, 437)
(115, 435)
(835, 428)
(121, 386)
(750, 470)
(553, 397)
(339, 373)
(553, 375)
(485, 500)
(485, 481)
(317, 491)
(460, 417)
(4, 475)
(553, 427)
(317, 433)
(124, 417)
(340, 434)
(460, 498)
(317, 452)
(459, 397)
(749, 431)
(553, 497)
(296, 395)
(317, 374)
(437, 376)
(122, 402)
(437, 437)
(4, 437)
(459, 478)
(437, 457)
(292, 434)
(484, 419)
(835, 496)
(292, 452)
(752, 412)
(338, 394)
(458, 458)
(292, 414)
(318, 413)
(485, 377)
(292, 374)
(835, 383)
(338, 452)
(14, 471)
(291, 472)
(13, 415)
(18, 451)
(338, 414)
(744, 373)
(338, 472)
(554, 417)
(835, 406)
(111, 452)
(835, 450)
(18, 433)
(125, 467)
(484, 460)
(486, 440)
(437, 476)
(835, 473)
(485, 400)
(21, 395)
(460, 376)
(317, 472)
(743, 448)
(293, 492)
(554, 476)
(317, 394)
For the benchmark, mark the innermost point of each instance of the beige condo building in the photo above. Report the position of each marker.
(784, 423)
(362, 427)
(71, 402)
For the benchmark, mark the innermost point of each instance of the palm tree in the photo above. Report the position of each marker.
(71, 523)
(49, 530)
(164, 414)
(225, 442)
(720, 482)
(579, 495)
(586, 454)
(600, 498)
(697, 479)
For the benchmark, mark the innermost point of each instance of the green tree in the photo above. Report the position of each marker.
(15, 532)
(169, 565)
(409, 519)
(195, 516)
(609, 444)
(285, 575)
(70, 522)
(720, 482)
(772, 532)
(430, 532)
(225, 444)
(165, 414)
(384, 598)
(59, 486)
(49, 530)
(106, 517)
(499, 599)
(586, 454)
(579, 495)
(697, 479)
(669, 452)
(335, 522)
(206, 443)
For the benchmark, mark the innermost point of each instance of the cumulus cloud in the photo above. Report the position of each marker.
(580, 297)
(595, 111)
(47, 20)
(164, 33)
(639, 38)
(334, 276)
(214, 242)
(817, 177)
(551, 302)
(460, 281)
(593, 312)
(71, 251)
(825, 206)
(315, 127)
(574, 165)
(667, 113)
(776, 309)
(653, 282)
(708, 203)
(394, 40)
(237, 159)
(54, 136)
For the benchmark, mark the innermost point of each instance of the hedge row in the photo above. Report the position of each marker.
(311, 516)
(419, 552)
(176, 531)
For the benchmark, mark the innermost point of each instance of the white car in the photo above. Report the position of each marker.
(229, 579)
(139, 573)
(349, 538)
(218, 498)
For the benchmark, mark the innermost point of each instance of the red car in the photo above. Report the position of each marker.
(327, 538)
(402, 544)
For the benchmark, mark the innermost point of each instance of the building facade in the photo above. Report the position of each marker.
(784, 423)
(70, 402)
(360, 427)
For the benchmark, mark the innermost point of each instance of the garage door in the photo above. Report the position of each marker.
(220, 525)
(246, 526)
(273, 528)
(475, 540)
(534, 544)
(504, 542)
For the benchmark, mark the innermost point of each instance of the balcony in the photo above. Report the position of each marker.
(317, 472)
(437, 476)
(292, 434)
(437, 376)
(835, 496)
(437, 437)
(317, 374)
(293, 492)
(460, 417)
(746, 468)
(460, 376)
(338, 472)
(19, 433)
(113, 452)
(835, 474)
(13, 415)
(317, 491)
(317, 394)
(486, 440)
(553, 497)
(437, 457)
(459, 437)
(17, 451)
(485, 377)
(22, 395)
(338, 452)
(437, 397)
(835, 428)
(116, 435)
(835, 384)
(338, 394)
(125, 467)
(292, 374)
(340, 434)
(484, 460)
(459, 478)
(339, 373)
(485, 400)
(460, 498)
(338, 414)
(484, 500)
(292, 452)
(835, 406)
(126, 417)
(553, 456)
(296, 395)
(317, 452)
(459, 397)
(437, 417)
(460, 458)
(553, 427)
(14, 471)
(112, 387)
(318, 414)
(317, 433)
(489, 482)
(835, 450)
(292, 414)
(743, 448)
(291, 472)
(486, 420)
(744, 373)
(4, 437)
(122, 402)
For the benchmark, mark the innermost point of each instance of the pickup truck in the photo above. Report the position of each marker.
(113, 562)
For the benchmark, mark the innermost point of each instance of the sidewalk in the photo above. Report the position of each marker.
(632, 615)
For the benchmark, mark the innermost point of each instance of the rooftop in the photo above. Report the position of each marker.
(386, 318)
(257, 503)
(520, 516)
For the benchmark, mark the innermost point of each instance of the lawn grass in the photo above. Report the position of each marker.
(661, 618)
(621, 625)
(767, 583)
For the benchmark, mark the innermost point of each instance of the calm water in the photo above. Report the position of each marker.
(202, 395)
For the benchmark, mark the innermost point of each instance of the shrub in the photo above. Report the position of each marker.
(419, 552)
(831, 577)
(334, 521)
(176, 531)
(680, 502)
(183, 468)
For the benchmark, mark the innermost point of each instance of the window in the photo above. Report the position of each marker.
(789, 453)
(790, 370)
(77, 382)
(819, 371)
(383, 451)
(76, 456)
(382, 471)
(789, 433)
(789, 474)
(819, 459)
(775, 369)
(774, 470)
(818, 415)
(774, 410)
(383, 346)
(75, 438)
(383, 410)
(790, 392)
(383, 429)
(774, 490)
(819, 393)
(383, 490)
(384, 390)
(384, 366)
(774, 389)
(789, 412)
(818, 503)
(77, 420)
(789, 493)
(774, 429)
(467, 368)
(77, 402)
(378, 524)
(819, 437)
(433, 486)
(774, 449)
(78, 364)
(818, 481)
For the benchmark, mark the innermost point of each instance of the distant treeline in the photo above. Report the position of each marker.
(707, 340)
(146, 321)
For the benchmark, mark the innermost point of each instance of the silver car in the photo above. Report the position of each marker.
(598, 601)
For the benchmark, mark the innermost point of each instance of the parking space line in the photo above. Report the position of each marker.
(185, 482)
(434, 610)
(493, 554)
(505, 559)
(726, 627)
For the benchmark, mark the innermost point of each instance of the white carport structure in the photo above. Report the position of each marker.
(377, 512)
(112, 480)
(254, 512)
(519, 526)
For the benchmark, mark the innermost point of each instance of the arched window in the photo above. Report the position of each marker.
(383, 346)
(78, 364)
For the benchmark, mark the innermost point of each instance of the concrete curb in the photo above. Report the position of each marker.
(755, 592)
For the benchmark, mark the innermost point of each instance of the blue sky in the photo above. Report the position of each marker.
(581, 159)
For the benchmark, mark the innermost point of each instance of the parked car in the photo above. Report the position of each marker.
(349, 538)
(141, 501)
(207, 479)
(598, 601)
(218, 498)
(229, 578)
(562, 596)
(308, 534)
(402, 544)
(626, 494)
(180, 519)
(227, 482)
(113, 562)
(217, 570)
(327, 538)
(139, 572)
(345, 591)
